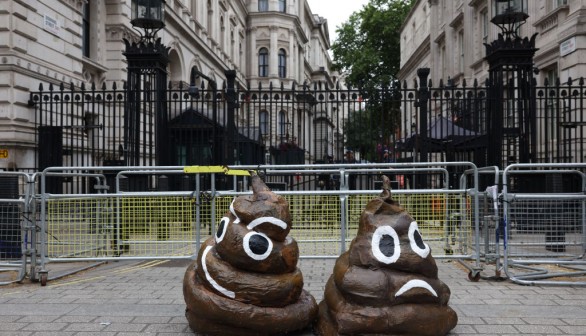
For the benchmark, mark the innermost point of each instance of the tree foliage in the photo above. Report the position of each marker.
(367, 51)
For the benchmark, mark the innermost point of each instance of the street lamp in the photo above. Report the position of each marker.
(509, 15)
(148, 15)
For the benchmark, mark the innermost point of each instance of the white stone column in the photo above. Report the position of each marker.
(253, 54)
(291, 54)
(273, 51)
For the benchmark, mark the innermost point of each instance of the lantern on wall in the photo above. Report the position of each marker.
(148, 15)
(509, 15)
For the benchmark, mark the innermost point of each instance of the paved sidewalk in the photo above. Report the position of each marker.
(145, 298)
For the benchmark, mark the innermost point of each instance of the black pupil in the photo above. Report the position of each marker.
(258, 244)
(220, 228)
(387, 245)
(418, 240)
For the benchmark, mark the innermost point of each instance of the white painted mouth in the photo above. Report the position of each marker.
(272, 220)
(211, 280)
(415, 284)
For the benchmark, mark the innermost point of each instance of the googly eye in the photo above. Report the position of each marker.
(385, 245)
(416, 241)
(257, 245)
(222, 228)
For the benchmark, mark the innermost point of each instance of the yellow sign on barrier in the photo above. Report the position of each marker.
(3, 153)
(215, 169)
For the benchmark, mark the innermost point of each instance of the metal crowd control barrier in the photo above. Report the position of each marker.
(17, 228)
(489, 212)
(172, 224)
(545, 236)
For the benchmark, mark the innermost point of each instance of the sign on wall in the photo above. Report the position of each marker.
(568, 46)
(51, 25)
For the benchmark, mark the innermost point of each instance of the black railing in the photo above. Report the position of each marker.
(306, 124)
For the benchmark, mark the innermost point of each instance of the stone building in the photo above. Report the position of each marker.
(81, 42)
(448, 37)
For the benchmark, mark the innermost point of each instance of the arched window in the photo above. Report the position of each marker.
(282, 63)
(282, 6)
(263, 62)
(263, 5)
(264, 123)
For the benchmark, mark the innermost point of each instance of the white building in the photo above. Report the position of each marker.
(81, 41)
(448, 37)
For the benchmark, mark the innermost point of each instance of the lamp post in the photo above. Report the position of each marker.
(146, 88)
(510, 59)
(509, 15)
(148, 15)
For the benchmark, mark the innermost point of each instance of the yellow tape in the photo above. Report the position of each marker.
(215, 169)
(204, 169)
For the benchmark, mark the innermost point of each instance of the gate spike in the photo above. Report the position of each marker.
(40, 86)
(570, 81)
(93, 86)
(464, 82)
(82, 87)
(581, 81)
(114, 86)
(475, 82)
(50, 86)
(61, 87)
(104, 86)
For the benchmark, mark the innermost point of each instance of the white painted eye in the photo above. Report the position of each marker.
(257, 245)
(222, 228)
(385, 245)
(416, 241)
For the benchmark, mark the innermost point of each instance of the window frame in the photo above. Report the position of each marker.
(263, 5)
(283, 6)
(263, 62)
(263, 123)
(282, 64)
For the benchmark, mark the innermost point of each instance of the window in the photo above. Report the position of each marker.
(282, 125)
(264, 123)
(86, 31)
(282, 6)
(554, 4)
(282, 63)
(485, 22)
(263, 5)
(263, 62)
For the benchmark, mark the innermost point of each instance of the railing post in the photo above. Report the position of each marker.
(423, 100)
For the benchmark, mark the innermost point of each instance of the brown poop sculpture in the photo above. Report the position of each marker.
(386, 283)
(245, 280)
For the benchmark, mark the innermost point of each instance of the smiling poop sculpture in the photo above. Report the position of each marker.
(386, 283)
(245, 280)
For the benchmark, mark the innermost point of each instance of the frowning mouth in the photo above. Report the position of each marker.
(415, 284)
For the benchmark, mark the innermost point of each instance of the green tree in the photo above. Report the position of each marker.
(367, 51)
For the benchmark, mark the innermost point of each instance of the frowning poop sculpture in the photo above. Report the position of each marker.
(387, 282)
(245, 280)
